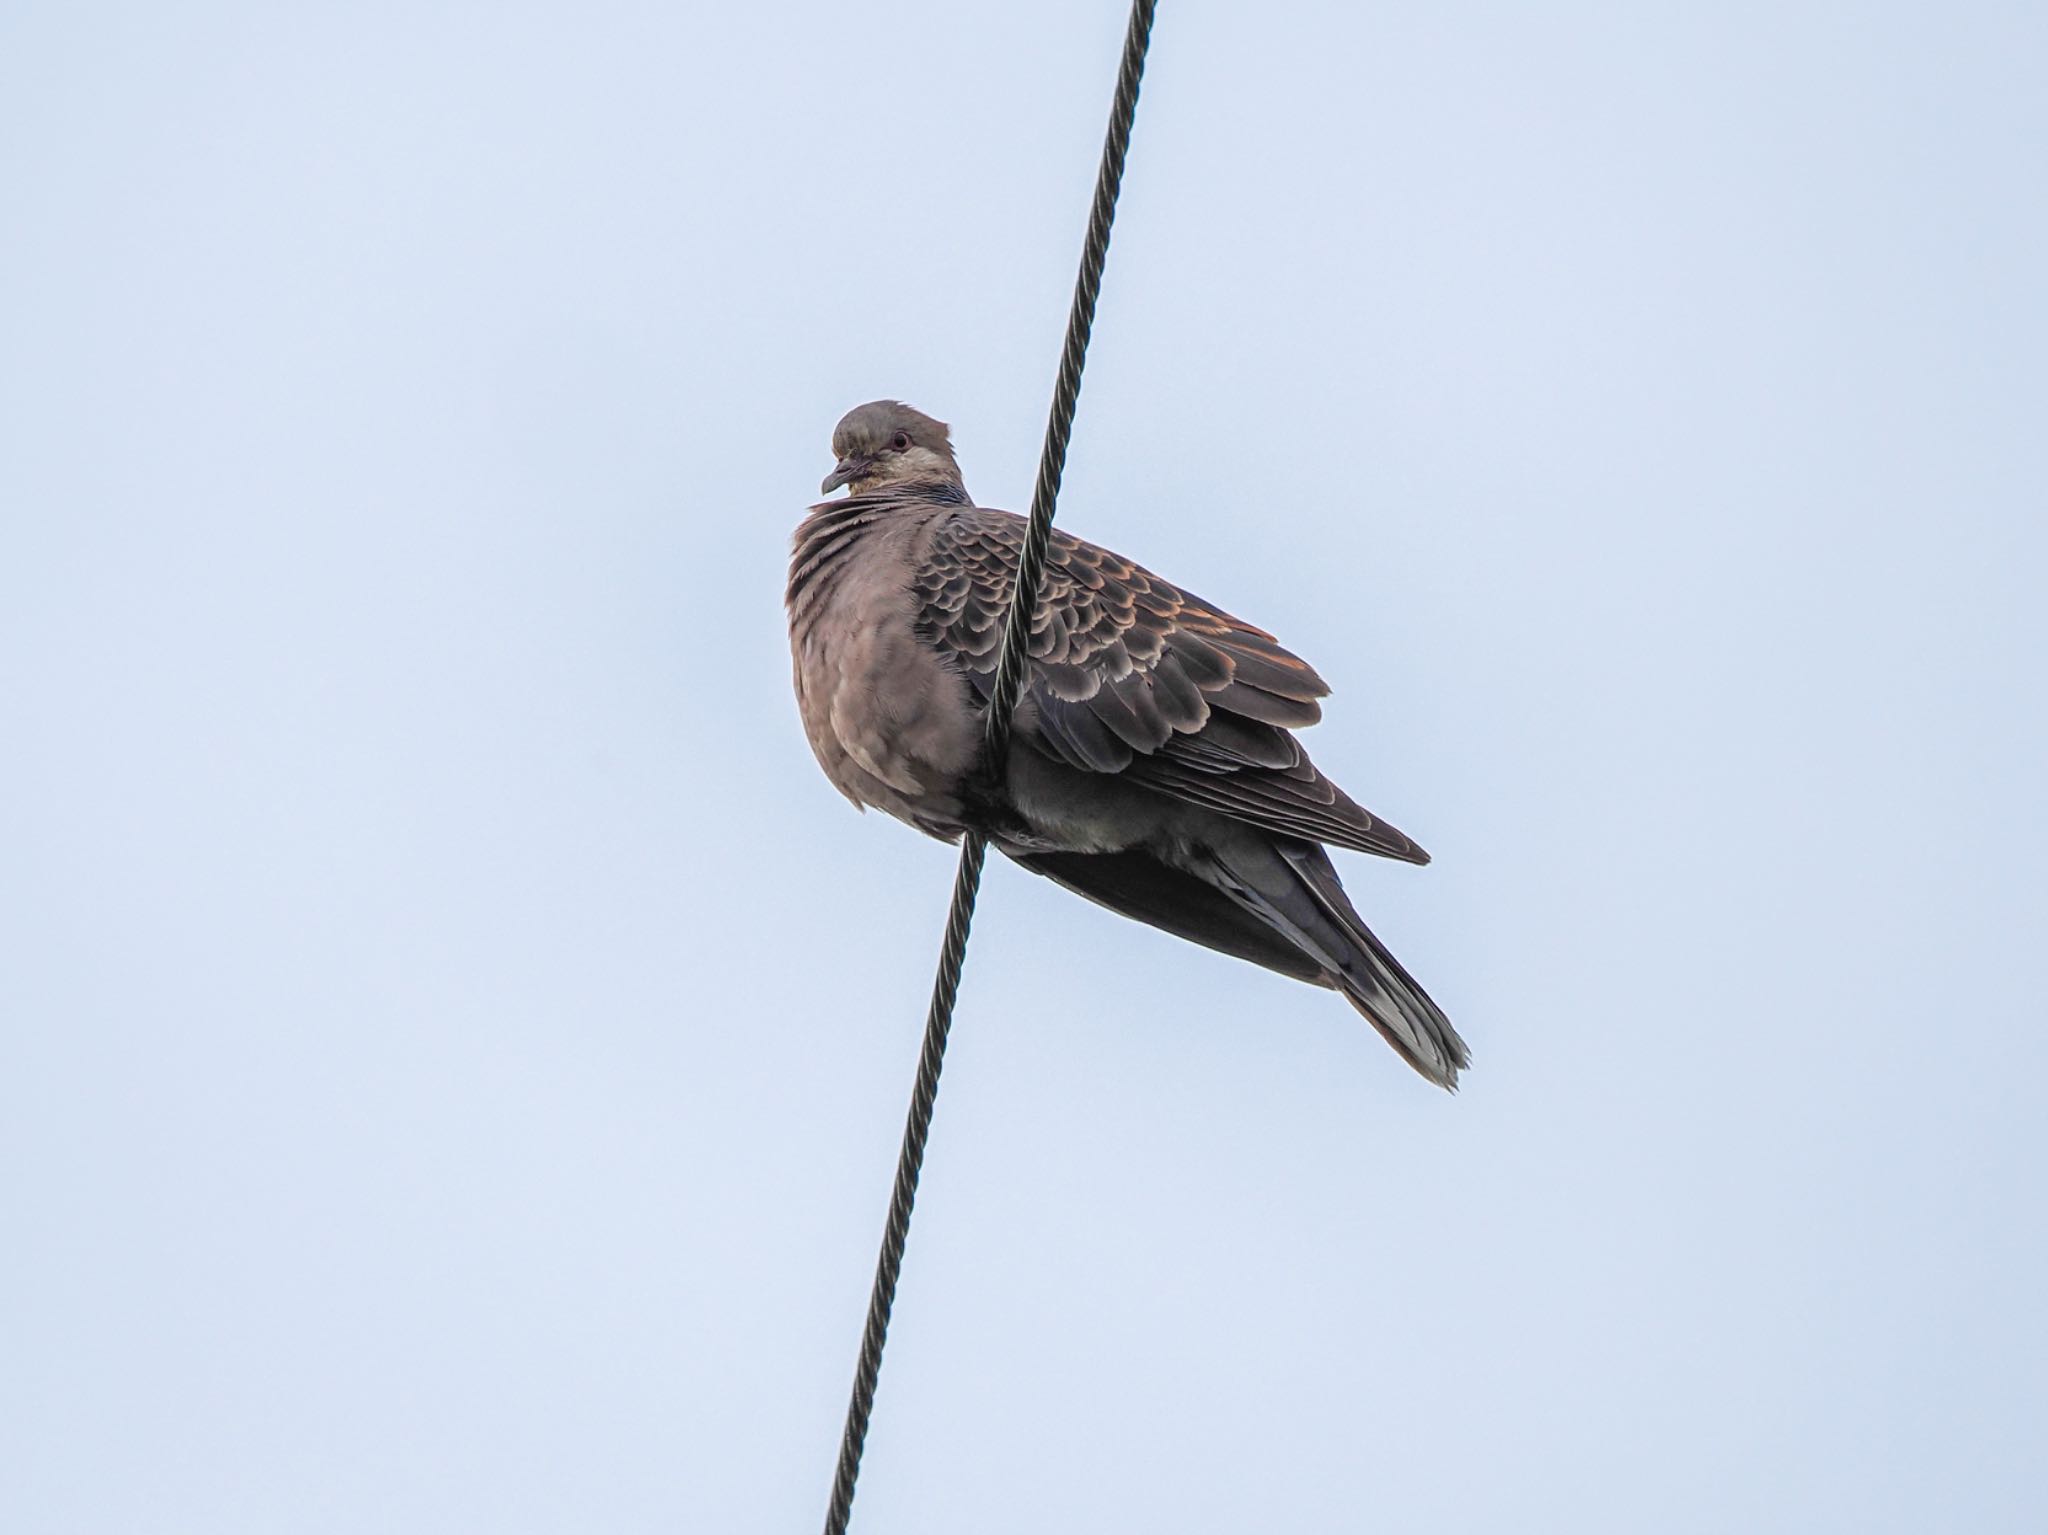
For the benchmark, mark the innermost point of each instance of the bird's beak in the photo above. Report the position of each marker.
(845, 472)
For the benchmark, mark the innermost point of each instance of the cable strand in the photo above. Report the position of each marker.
(1009, 681)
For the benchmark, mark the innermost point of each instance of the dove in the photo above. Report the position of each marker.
(1153, 768)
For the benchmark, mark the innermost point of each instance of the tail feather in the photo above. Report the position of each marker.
(1294, 886)
(1278, 903)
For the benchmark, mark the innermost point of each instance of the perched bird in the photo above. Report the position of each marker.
(1153, 768)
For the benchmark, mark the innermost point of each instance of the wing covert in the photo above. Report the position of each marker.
(1132, 674)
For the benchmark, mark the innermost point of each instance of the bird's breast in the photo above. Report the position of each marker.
(891, 724)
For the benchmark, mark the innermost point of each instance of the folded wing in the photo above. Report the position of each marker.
(1132, 675)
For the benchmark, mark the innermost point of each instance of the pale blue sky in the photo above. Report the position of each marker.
(453, 1043)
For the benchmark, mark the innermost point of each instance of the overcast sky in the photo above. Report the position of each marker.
(453, 1042)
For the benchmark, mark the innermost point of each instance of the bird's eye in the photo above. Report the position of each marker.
(900, 441)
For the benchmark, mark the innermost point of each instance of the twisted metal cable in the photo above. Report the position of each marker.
(1009, 682)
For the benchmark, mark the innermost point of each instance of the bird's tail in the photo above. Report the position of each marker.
(1294, 887)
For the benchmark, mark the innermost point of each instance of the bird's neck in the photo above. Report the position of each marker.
(946, 491)
(836, 535)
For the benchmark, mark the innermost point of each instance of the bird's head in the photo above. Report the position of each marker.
(885, 443)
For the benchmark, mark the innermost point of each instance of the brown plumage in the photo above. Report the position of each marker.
(1153, 768)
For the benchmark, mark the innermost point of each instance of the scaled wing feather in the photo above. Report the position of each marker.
(1131, 674)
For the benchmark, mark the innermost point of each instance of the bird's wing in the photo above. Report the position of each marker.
(1131, 675)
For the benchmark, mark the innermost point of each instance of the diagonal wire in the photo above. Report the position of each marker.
(1009, 682)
